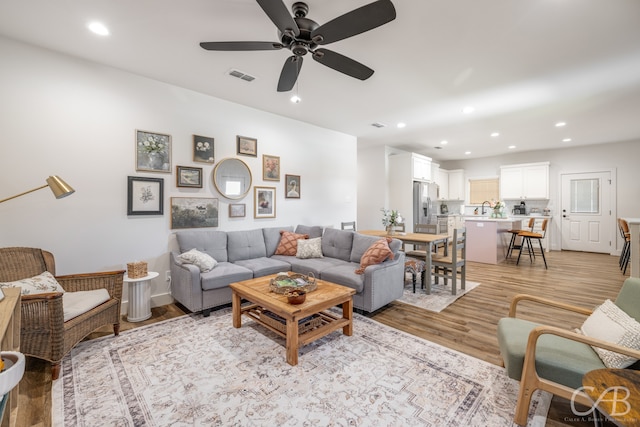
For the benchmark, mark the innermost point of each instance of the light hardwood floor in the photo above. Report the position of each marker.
(468, 325)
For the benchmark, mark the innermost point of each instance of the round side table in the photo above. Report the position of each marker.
(139, 297)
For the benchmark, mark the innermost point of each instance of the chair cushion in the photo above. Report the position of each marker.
(76, 303)
(378, 252)
(557, 359)
(608, 322)
(203, 261)
(40, 284)
(309, 248)
(289, 243)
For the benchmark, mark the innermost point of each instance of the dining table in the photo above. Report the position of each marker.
(421, 239)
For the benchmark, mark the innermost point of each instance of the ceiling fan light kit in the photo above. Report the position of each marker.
(302, 35)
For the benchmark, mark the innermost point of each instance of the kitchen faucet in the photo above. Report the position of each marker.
(488, 203)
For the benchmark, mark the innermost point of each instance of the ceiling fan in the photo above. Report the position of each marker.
(301, 35)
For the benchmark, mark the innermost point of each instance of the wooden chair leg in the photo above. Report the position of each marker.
(55, 371)
(116, 329)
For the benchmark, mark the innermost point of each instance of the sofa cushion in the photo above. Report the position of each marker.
(224, 274)
(211, 242)
(246, 244)
(309, 248)
(272, 238)
(201, 260)
(344, 275)
(42, 283)
(376, 253)
(310, 265)
(289, 243)
(313, 231)
(337, 243)
(609, 323)
(264, 266)
(564, 360)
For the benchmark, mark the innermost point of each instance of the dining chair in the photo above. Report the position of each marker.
(350, 225)
(527, 237)
(454, 263)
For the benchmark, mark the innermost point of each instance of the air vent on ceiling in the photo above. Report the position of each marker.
(241, 75)
(378, 125)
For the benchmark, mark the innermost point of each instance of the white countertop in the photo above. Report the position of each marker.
(480, 218)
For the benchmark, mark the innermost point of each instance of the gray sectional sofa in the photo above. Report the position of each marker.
(242, 255)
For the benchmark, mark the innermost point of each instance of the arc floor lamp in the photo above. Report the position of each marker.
(57, 185)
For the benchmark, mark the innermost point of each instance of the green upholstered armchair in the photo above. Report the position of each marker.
(555, 359)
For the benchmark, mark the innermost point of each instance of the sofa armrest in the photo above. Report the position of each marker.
(186, 286)
(112, 281)
(383, 283)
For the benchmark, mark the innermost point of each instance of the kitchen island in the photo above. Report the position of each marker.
(488, 238)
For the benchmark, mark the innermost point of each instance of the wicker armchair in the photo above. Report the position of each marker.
(44, 334)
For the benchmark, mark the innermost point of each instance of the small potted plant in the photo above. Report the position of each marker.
(390, 219)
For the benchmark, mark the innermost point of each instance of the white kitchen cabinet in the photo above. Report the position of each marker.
(456, 184)
(442, 179)
(421, 167)
(526, 181)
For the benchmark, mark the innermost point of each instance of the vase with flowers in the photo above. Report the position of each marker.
(498, 209)
(390, 219)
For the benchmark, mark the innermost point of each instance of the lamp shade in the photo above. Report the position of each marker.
(59, 188)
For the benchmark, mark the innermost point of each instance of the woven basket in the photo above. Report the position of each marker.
(297, 281)
(280, 324)
(136, 270)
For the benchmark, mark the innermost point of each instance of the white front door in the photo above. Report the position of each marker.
(586, 212)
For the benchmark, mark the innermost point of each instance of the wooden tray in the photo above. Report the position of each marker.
(282, 283)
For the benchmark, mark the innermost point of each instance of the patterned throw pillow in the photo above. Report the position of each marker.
(377, 252)
(203, 261)
(309, 248)
(609, 323)
(39, 284)
(289, 243)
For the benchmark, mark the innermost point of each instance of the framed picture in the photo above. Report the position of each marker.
(237, 210)
(145, 196)
(203, 149)
(194, 212)
(247, 146)
(270, 168)
(153, 151)
(264, 202)
(188, 177)
(292, 184)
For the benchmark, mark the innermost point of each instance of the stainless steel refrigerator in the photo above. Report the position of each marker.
(425, 197)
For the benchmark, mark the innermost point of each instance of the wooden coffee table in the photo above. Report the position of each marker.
(326, 296)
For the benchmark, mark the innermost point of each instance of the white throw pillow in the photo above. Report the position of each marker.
(309, 248)
(76, 303)
(203, 261)
(608, 322)
(40, 284)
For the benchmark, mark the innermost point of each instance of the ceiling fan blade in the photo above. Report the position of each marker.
(280, 16)
(343, 64)
(357, 21)
(289, 74)
(241, 46)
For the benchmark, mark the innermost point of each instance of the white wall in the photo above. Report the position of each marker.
(64, 116)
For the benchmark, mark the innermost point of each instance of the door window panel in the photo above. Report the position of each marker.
(585, 196)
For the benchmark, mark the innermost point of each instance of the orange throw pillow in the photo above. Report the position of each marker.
(289, 243)
(377, 252)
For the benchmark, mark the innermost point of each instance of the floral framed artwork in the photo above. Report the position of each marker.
(203, 149)
(194, 212)
(264, 202)
(188, 177)
(270, 168)
(153, 151)
(292, 185)
(237, 210)
(247, 146)
(145, 196)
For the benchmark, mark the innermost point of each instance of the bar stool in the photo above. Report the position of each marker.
(625, 255)
(527, 236)
(514, 236)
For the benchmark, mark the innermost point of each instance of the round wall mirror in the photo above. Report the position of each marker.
(232, 178)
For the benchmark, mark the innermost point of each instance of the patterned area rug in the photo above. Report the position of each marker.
(196, 371)
(440, 297)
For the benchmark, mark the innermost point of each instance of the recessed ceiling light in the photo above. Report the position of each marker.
(495, 134)
(98, 28)
(566, 140)
(468, 109)
(444, 142)
(467, 152)
(560, 124)
(401, 125)
(511, 147)
(296, 99)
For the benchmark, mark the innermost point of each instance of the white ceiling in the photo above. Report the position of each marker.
(523, 64)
